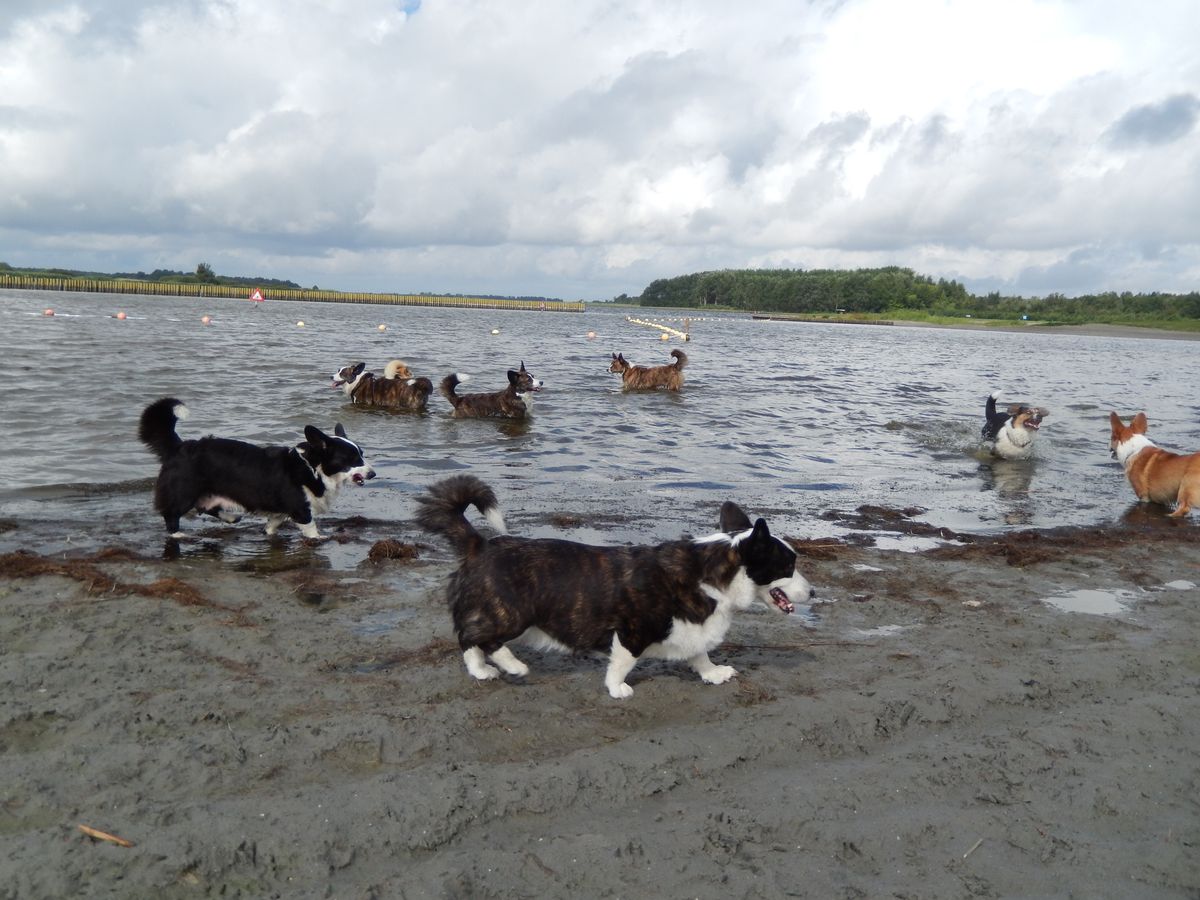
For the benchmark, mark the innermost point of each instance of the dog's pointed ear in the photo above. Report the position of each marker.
(732, 517)
(1014, 409)
(522, 365)
(1139, 424)
(339, 430)
(314, 436)
(621, 357)
(760, 532)
(1115, 422)
(614, 356)
(513, 376)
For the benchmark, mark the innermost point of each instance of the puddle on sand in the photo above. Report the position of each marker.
(380, 623)
(1093, 602)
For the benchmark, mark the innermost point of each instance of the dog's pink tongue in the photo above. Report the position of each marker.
(781, 600)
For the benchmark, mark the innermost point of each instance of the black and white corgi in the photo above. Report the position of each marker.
(225, 478)
(670, 601)
(1009, 435)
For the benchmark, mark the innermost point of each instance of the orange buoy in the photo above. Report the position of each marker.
(205, 320)
(121, 315)
(48, 312)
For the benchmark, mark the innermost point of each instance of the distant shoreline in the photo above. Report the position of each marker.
(1091, 329)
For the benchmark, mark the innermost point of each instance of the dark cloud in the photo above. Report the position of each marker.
(1156, 123)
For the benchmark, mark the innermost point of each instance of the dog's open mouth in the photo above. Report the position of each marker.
(358, 479)
(780, 599)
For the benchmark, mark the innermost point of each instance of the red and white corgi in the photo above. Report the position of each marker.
(1157, 475)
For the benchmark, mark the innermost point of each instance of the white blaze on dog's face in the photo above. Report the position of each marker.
(348, 376)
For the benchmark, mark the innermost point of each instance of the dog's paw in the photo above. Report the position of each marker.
(485, 672)
(621, 691)
(719, 674)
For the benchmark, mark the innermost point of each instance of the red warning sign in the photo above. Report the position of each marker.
(256, 295)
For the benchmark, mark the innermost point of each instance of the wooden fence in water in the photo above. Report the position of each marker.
(244, 292)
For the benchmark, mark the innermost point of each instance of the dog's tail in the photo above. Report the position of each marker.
(441, 510)
(449, 383)
(994, 421)
(157, 427)
(680, 358)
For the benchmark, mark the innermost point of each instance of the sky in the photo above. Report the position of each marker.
(583, 149)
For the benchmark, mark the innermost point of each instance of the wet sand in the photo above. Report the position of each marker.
(938, 731)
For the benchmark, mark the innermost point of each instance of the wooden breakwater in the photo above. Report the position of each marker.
(245, 292)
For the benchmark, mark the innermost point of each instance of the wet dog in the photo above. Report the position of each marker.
(397, 389)
(671, 601)
(225, 478)
(514, 402)
(649, 378)
(1156, 475)
(1009, 435)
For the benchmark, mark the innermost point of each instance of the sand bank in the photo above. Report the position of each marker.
(938, 731)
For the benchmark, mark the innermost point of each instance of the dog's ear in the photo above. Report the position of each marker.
(732, 517)
(1115, 422)
(1139, 424)
(522, 365)
(314, 436)
(513, 376)
(1014, 409)
(614, 356)
(358, 367)
(339, 430)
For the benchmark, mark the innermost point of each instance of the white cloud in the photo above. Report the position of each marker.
(585, 149)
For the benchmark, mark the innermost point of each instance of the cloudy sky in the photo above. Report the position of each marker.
(582, 149)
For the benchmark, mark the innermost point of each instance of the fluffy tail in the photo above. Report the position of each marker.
(441, 509)
(397, 368)
(157, 427)
(680, 358)
(449, 383)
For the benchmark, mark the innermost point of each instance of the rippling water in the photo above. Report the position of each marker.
(791, 420)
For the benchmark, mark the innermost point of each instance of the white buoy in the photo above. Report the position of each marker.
(495, 331)
(300, 324)
(591, 335)
(383, 328)
(664, 337)
(205, 320)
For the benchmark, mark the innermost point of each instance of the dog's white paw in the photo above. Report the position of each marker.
(621, 691)
(505, 659)
(719, 674)
(485, 672)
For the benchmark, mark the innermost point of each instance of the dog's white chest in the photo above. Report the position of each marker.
(690, 638)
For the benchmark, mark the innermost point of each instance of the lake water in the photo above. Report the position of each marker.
(791, 420)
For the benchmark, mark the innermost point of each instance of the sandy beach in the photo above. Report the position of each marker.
(938, 731)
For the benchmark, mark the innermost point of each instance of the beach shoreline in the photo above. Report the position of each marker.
(940, 730)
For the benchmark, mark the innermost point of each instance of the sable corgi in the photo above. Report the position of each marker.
(648, 378)
(1157, 475)
(514, 402)
(224, 478)
(1009, 435)
(672, 601)
(397, 389)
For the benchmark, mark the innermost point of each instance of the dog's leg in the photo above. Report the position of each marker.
(509, 663)
(477, 664)
(620, 664)
(273, 523)
(309, 530)
(709, 673)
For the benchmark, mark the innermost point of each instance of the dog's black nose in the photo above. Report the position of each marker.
(370, 474)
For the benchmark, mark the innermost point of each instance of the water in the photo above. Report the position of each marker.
(791, 420)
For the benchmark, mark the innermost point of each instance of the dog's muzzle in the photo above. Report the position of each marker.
(780, 599)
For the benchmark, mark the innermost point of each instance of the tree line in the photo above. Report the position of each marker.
(893, 289)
